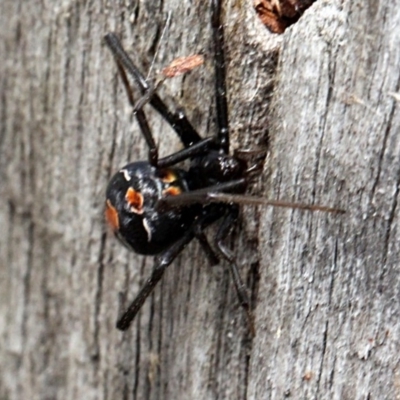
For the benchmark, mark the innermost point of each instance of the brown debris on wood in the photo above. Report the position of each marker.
(277, 15)
(182, 65)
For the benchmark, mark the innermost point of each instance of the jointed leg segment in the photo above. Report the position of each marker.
(224, 231)
(161, 263)
(220, 75)
(177, 120)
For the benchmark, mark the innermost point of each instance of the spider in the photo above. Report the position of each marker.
(156, 208)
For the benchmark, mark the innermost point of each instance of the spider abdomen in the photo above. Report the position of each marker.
(131, 210)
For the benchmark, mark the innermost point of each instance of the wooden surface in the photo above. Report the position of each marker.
(326, 289)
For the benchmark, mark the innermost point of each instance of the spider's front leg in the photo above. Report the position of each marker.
(161, 262)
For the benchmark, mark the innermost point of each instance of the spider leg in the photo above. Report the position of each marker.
(178, 121)
(220, 75)
(197, 149)
(141, 118)
(161, 262)
(224, 230)
(209, 252)
(210, 215)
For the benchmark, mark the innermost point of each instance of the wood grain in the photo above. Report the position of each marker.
(323, 98)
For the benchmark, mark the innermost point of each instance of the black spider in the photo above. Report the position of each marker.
(157, 209)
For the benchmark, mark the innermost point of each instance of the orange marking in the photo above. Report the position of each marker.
(172, 191)
(168, 176)
(135, 200)
(111, 215)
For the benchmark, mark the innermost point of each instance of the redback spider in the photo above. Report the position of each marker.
(156, 208)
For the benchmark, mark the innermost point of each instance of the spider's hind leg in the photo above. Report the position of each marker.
(224, 230)
(161, 263)
(178, 121)
(140, 117)
(208, 250)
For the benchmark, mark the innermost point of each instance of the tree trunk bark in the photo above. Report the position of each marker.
(323, 98)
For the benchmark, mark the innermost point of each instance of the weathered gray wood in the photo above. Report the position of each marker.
(326, 288)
